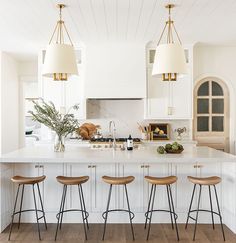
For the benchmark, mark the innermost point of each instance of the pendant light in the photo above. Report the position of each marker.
(60, 59)
(169, 58)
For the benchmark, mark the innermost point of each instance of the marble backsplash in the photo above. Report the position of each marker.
(126, 114)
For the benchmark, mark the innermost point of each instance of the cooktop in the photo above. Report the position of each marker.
(106, 140)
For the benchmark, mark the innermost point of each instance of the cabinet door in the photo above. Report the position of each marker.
(28, 202)
(100, 189)
(182, 190)
(73, 193)
(182, 91)
(139, 190)
(206, 170)
(74, 94)
(51, 190)
(95, 190)
(134, 189)
(52, 91)
(65, 94)
(157, 99)
(158, 170)
(176, 94)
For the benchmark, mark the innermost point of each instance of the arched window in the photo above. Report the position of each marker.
(211, 113)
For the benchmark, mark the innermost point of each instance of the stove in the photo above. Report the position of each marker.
(104, 143)
(118, 140)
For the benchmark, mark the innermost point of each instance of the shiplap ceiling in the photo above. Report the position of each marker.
(26, 25)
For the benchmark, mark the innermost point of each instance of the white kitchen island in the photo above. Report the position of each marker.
(78, 161)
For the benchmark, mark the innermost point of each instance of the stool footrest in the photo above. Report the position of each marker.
(30, 210)
(74, 210)
(117, 210)
(160, 210)
(202, 210)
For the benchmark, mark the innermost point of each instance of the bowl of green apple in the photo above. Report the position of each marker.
(174, 148)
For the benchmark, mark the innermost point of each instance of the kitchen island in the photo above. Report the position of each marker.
(78, 161)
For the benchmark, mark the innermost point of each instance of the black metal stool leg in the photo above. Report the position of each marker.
(149, 203)
(212, 215)
(59, 215)
(21, 202)
(173, 210)
(198, 205)
(82, 195)
(63, 206)
(190, 206)
(108, 203)
(218, 206)
(41, 202)
(151, 211)
(170, 206)
(130, 218)
(36, 212)
(14, 210)
(82, 212)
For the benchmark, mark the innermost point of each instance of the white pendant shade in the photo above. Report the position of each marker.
(60, 58)
(169, 58)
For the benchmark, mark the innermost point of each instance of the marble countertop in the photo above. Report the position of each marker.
(145, 154)
(160, 142)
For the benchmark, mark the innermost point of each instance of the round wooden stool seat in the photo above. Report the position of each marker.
(168, 180)
(118, 180)
(65, 180)
(27, 180)
(208, 181)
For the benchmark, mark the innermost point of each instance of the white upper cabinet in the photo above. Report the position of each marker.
(115, 70)
(169, 100)
(64, 93)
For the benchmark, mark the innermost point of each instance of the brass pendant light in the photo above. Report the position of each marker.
(169, 58)
(60, 59)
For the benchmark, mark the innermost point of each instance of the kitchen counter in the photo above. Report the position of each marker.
(148, 154)
(80, 161)
(184, 142)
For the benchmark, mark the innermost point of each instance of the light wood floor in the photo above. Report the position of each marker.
(72, 233)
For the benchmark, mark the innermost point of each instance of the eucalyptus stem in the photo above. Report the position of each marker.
(48, 115)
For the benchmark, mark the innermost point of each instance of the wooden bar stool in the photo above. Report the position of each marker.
(117, 181)
(22, 181)
(207, 181)
(72, 181)
(161, 181)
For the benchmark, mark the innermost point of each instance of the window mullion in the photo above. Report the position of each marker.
(210, 106)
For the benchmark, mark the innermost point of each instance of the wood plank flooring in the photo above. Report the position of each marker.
(116, 233)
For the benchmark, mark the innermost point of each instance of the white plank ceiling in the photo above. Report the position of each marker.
(26, 25)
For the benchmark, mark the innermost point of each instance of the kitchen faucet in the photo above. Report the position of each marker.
(112, 133)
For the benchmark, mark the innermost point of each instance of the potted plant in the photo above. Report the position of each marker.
(61, 124)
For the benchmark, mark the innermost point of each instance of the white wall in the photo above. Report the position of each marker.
(9, 108)
(29, 68)
(218, 61)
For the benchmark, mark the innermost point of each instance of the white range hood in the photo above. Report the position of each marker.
(115, 71)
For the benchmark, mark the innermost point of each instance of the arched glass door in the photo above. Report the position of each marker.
(211, 113)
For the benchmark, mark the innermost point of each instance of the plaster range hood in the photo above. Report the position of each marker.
(115, 71)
